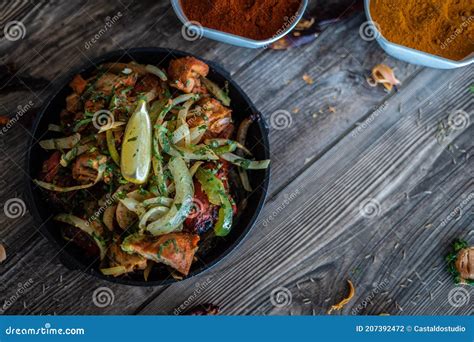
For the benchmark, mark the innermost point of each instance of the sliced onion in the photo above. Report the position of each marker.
(198, 152)
(215, 90)
(66, 158)
(244, 178)
(112, 125)
(220, 124)
(152, 214)
(133, 205)
(157, 72)
(185, 97)
(109, 136)
(194, 168)
(243, 130)
(53, 187)
(182, 135)
(165, 201)
(183, 113)
(61, 143)
(196, 133)
(92, 229)
(182, 203)
(222, 142)
(241, 139)
(245, 163)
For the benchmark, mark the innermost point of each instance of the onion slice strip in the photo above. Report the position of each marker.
(66, 158)
(246, 163)
(157, 72)
(182, 204)
(165, 201)
(90, 228)
(152, 214)
(241, 138)
(60, 143)
(53, 187)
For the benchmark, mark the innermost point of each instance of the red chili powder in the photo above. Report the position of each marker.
(256, 19)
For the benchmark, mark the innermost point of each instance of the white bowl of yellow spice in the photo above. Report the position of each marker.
(437, 33)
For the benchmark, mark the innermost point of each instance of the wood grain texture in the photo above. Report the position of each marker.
(318, 237)
(346, 142)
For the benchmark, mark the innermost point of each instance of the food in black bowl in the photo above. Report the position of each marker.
(153, 164)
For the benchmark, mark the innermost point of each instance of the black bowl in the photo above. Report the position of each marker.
(242, 107)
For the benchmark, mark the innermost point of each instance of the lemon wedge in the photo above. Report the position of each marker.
(136, 146)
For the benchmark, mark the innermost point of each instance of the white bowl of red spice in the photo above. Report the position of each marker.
(437, 34)
(246, 23)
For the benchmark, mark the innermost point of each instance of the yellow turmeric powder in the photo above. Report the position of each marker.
(440, 27)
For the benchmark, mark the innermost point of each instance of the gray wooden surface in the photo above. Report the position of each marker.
(365, 184)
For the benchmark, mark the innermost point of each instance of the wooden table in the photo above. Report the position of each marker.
(366, 184)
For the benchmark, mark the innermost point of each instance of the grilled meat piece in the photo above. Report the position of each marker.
(185, 72)
(86, 166)
(174, 249)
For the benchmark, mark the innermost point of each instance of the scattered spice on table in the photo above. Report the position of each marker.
(258, 19)
(440, 27)
(315, 20)
(308, 79)
(383, 74)
(342, 303)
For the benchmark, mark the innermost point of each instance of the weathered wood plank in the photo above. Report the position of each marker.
(318, 231)
(50, 288)
(338, 62)
(26, 78)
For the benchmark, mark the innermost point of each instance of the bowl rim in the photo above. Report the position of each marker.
(212, 33)
(384, 41)
(69, 260)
